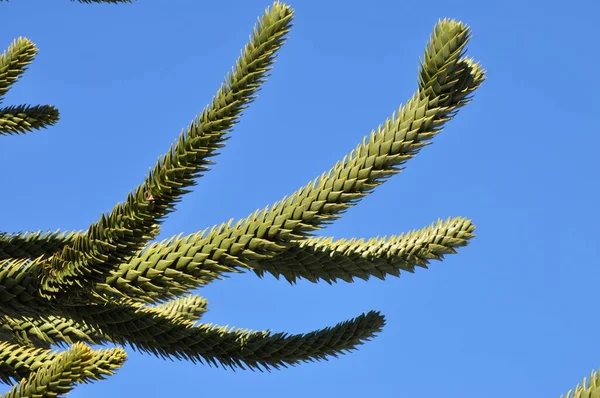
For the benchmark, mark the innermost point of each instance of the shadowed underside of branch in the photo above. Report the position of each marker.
(112, 284)
(147, 330)
(46, 330)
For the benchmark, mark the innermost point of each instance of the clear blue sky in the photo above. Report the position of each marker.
(514, 314)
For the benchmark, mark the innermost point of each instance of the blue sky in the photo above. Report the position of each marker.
(512, 314)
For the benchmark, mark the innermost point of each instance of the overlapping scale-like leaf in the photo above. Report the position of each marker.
(190, 307)
(19, 285)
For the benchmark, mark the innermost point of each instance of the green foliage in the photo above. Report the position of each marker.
(21, 118)
(55, 374)
(111, 284)
(586, 390)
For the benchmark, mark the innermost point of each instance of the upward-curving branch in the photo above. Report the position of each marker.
(131, 224)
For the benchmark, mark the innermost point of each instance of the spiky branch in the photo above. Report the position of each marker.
(21, 118)
(112, 284)
(585, 389)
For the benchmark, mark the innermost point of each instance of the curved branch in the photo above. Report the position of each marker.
(180, 264)
(323, 258)
(149, 330)
(14, 61)
(130, 225)
(447, 80)
(60, 374)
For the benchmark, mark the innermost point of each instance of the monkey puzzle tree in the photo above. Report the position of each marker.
(113, 284)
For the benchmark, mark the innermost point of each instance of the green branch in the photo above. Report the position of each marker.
(586, 390)
(96, 286)
(19, 280)
(30, 245)
(130, 225)
(177, 265)
(59, 375)
(161, 334)
(400, 138)
(329, 260)
(48, 330)
(23, 118)
(180, 264)
(446, 81)
(49, 327)
(14, 61)
(190, 307)
(17, 361)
